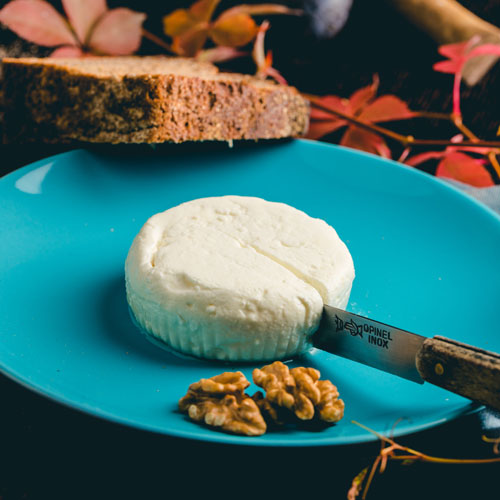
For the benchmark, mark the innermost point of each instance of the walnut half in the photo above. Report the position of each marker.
(300, 391)
(220, 402)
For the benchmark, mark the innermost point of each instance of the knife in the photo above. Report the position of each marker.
(460, 368)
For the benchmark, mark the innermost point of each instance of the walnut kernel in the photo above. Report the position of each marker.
(300, 391)
(220, 402)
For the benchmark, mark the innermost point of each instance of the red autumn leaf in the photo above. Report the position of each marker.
(446, 66)
(365, 140)
(333, 102)
(318, 129)
(365, 106)
(119, 32)
(456, 164)
(322, 122)
(464, 168)
(38, 22)
(458, 54)
(68, 51)
(233, 31)
(386, 108)
(456, 51)
(361, 97)
(83, 15)
(457, 57)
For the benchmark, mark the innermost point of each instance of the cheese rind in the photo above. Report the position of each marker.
(236, 278)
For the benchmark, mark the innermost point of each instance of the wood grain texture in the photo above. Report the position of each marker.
(462, 369)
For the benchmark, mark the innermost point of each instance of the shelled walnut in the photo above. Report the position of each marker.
(273, 414)
(300, 391)
(220, 401)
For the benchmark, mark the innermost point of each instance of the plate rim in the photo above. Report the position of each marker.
(223, 438)
(231, 439)
(441, 181)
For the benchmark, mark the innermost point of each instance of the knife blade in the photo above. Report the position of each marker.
(460, 368)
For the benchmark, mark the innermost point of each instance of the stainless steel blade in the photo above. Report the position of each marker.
(369, 342)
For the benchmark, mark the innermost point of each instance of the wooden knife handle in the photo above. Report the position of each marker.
(463, 369)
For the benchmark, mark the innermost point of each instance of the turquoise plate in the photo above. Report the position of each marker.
(426, 259)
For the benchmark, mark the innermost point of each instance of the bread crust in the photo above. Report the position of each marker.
(56, 100)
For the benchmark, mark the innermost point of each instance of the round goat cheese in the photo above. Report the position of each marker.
(236, 278)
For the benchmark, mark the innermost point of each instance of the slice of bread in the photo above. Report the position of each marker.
(143, 100)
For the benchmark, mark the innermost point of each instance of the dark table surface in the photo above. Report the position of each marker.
(50, 451)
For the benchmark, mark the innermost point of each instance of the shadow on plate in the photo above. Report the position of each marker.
(132, 160)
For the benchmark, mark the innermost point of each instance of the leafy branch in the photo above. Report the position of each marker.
(191, 28)
(89, 28)
(390, 450)
(405, 140)
(465, 156)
